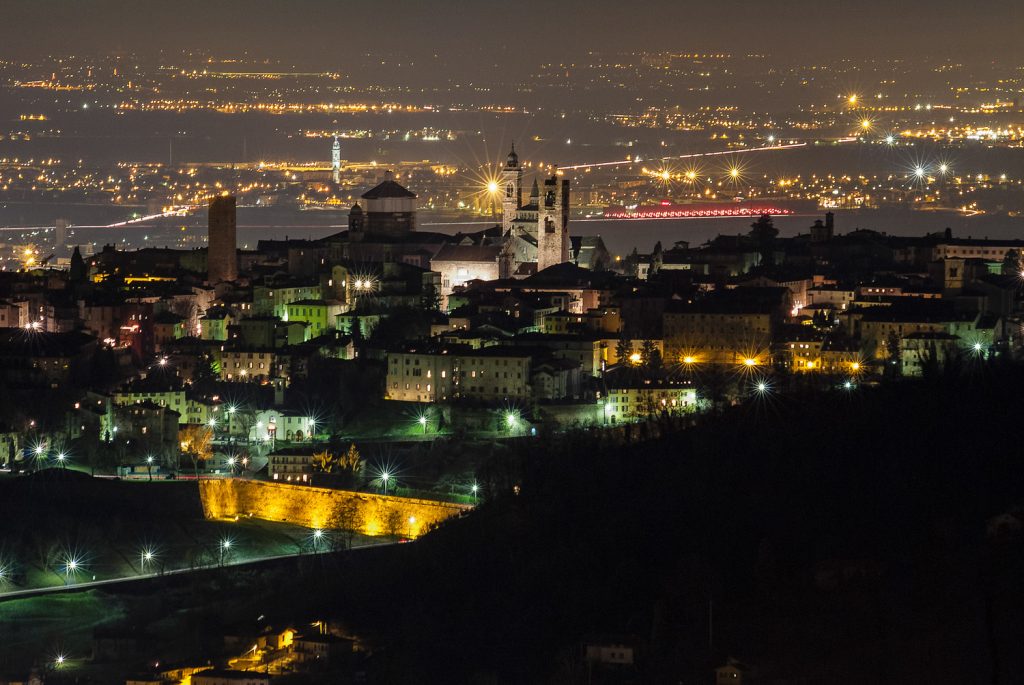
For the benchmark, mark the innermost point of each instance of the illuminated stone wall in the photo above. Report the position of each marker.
(323, 508)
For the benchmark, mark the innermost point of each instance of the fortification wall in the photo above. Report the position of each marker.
(363, 512)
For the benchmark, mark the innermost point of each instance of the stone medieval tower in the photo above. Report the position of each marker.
(553, 223)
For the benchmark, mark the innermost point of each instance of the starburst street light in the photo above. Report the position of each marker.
(146, 555)
(762, 386)
(72, 565)
(383, 475)
(224, 547)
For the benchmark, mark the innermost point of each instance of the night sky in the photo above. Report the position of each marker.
(324, 31)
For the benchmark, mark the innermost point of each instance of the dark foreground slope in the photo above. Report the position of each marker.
(843, 537)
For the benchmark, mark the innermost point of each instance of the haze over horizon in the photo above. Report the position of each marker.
(322, 32)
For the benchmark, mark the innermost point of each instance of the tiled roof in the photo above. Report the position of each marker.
(387, 188)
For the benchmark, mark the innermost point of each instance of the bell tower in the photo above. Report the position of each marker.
(553, 223)
(511, 190)
(336, 161)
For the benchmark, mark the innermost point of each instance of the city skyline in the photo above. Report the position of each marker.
(595, 343)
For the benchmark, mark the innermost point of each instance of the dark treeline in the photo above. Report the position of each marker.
(837, 537)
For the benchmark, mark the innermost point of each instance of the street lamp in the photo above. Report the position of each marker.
(71, 565)
(144, 556)
(423, 422)
(225, 547)
(384, 478)
(510, 420)
(61, 459)
(149, 467)
(317, 534)
(475, 489)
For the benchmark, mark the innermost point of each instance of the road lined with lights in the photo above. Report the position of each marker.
(90, 584)
(693, 155)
